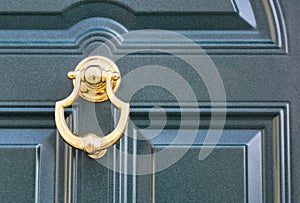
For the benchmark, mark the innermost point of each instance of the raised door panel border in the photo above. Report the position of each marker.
(252, 154)
(231, 173)
(36, 164)
(256, 134)
(219, 27)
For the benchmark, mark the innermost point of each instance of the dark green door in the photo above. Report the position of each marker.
(214, 100)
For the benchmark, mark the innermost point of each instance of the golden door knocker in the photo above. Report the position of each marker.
(95, 79)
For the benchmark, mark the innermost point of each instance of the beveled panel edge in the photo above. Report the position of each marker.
(253, 41)
(252, 158)
(254, 149)
(40, 116)
(59, 6)
(39, 145)
(275, 109)
(70, 42)
(278, 112)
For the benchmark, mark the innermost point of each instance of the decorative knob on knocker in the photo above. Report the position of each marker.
(95, 79)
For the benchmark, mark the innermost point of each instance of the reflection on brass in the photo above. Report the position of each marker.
(95, 79)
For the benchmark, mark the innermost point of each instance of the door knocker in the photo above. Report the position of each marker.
(95, 79)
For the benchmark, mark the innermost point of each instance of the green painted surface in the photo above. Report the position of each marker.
(40, 43)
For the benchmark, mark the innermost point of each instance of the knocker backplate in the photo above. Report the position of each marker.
(96, 92)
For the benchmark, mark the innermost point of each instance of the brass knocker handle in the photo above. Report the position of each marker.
(95, 79)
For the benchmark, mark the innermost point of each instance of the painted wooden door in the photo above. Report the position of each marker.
(213, 88)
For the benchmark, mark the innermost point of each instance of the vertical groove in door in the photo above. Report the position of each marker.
(57, 165)
(246, 174)
(277, 183)
(153, 177)
(68, 174)
(68, 167)
(114, 172)
(264, 183)
(74, 160)
(134, 166)
(74, 175)
(37, 173)
(125, 171)
(121, 163)
(116, 167)
(285, 161)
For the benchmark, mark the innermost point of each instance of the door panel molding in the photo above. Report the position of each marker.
(264, 158)
(256, 134)
(36, 165)
(235, 27)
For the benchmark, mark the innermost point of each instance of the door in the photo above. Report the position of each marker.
(213, 94)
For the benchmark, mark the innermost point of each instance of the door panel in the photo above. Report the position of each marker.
(27, 154)
(246, 40)
(249, 163)
(218, 26)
